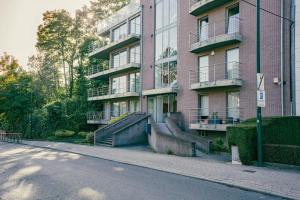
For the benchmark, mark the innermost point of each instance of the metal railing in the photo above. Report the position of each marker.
(212, 118)
(93, 69)
(95, 116)
(119, 16)
(213, 73)
(106, 90)
(216, 30)
(97, 45)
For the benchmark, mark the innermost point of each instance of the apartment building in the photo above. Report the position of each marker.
(195, 57)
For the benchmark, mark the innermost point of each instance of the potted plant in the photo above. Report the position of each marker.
(214, 119)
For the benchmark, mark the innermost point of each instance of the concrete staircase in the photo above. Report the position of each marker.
(106, 141)
(129, 130)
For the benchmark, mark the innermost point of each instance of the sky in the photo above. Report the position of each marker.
(19, 20)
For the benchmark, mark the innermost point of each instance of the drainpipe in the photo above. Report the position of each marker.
(292, 60)
(282, 57)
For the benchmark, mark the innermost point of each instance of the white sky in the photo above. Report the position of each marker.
(19, 20)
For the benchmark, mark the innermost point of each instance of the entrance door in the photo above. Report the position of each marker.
(233, 57)
(203, 69)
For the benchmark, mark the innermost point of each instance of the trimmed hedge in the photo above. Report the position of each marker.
(286, 154)
(280, 131)
(64, 133)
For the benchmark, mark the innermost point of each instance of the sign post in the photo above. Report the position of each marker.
(260, 94)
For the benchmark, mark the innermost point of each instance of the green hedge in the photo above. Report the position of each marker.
(286, 154)
(280, 131)
(64, 133)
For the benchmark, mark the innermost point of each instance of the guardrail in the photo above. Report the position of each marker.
(223, 116)
(11, 137)
(215, 30)
(93, 69)
(213, 73)
(119, 16)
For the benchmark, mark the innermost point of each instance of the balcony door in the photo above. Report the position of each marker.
(203, 69)
(203, 29)
(233, 21)
(233, 104)
(233, 58)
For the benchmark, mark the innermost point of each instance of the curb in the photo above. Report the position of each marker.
(170, 172)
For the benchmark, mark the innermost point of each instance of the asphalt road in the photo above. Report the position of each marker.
(42, 174)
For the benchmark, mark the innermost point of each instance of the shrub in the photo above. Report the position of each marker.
(170, 152)
(279, 134)
(115, 119)
(245, 139)
(218, 145)
(64, 133)
(90, 138)
(83, 134)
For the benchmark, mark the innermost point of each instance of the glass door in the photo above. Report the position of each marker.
(203, 29)
(203, 69)
(233, 58)
(233, 104)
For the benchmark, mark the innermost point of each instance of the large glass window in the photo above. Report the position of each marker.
(134, 106)
(166, 44)
(135, 54)
(204, 106)
(120, 32)
(119, 85)
(203, 69)
(166, 13)
(119, 59)
(135, 25)
(119, 108)
(166, 74)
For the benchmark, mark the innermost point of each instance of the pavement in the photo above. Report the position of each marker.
(268, 180)
(33, 173)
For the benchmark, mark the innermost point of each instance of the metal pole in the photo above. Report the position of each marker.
(258, 109)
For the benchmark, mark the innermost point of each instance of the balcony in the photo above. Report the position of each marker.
(216, 35)
(118, 17)
(96, 118)
(102, 52)
(198, 7)
(162, 89)
(216, 76)
(101, 72)
(105, 93)
(205, 120)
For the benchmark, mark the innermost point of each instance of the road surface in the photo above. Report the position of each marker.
(41, 174)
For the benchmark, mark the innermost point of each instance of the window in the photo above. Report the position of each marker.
(232, 21)
(135, 55)
(204, 106)
(119, 108)
(166, 44)
(165, 13)
(119, 59)
(166, 74)
(120, 32)
(203, 29)
(233, 104)
(135, 25)
(134, 82)
(203, 69)
(233, 58)
(119, 85)
(134, 106)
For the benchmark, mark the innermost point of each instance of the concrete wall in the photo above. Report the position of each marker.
(163, 143)
(134, 134)
(297, 54)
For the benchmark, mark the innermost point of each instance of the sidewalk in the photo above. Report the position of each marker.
(285, 183)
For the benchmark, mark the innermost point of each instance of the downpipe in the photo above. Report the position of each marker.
(282, 82)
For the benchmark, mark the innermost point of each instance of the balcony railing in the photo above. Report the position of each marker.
(105, 92)
(198, 7)
(94, 69)
(95, 116)
(118, 17)
(218, 75)
(215, 35)
(219, 119)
